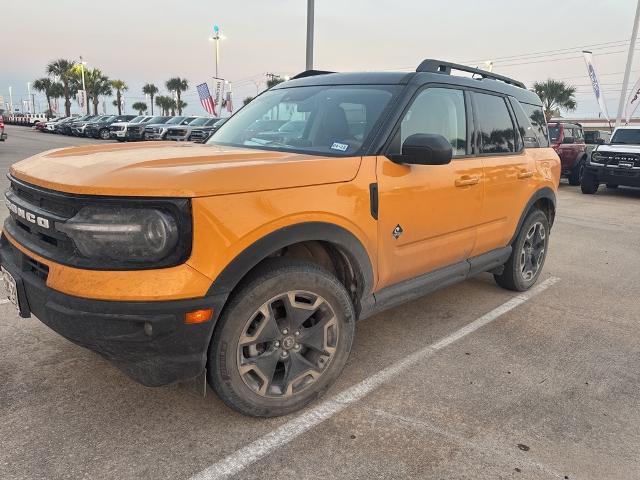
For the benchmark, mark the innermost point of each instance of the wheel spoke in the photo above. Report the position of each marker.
(298, 312)
(267, 330)
(316, 336)
(295, 367)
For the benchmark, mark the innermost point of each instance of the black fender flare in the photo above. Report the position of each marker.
(338, 236)
(543, 193)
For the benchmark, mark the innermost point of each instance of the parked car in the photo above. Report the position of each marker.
(100, 127)
(66, 128)
(568, 142)
(183, 132)
(79, 129)
(252, 262)
(202, 134)
(49, 127)
(3, 135)
(594, 138)
(616, 163)
(61, 126)
(118, 130)
(137, 131)
(159, 131)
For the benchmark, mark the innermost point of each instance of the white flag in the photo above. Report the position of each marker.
(218, 91)
(632, 101)
(595, 82)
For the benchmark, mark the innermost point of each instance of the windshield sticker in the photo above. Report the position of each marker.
(340, 146)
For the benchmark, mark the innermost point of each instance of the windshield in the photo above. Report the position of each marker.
(175, 120)
(554, 133)
(154, 120)
(108, 119)
(626, 135)
(199, 121)
(321, 120)
(137, 119)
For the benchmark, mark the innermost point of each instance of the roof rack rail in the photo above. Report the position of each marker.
(436, 66)
(310, 73)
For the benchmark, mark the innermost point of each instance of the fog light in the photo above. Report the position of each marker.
(198, 316)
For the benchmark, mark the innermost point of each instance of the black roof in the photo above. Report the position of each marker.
(489, 81)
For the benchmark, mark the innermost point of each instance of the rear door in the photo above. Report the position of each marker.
(508, 171)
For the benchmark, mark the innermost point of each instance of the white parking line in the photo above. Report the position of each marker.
(242, 458)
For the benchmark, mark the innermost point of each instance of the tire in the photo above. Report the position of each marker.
(104, 134)
(529, 251)
(576, 175)
(287, 381)
(589, 183)
(612, 185)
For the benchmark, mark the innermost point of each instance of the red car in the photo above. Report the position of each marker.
(567, 140)
(40, 126)
(3, 135)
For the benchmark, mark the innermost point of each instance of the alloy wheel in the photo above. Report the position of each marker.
(533, 251)
(287, 344)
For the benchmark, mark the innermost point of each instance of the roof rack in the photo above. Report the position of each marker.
(310, 73)
(436, 66)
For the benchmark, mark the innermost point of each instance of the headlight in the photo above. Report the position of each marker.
(597, 158)
(129, 234)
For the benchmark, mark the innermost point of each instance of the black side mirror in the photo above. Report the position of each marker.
(424, 149)
(569, 140)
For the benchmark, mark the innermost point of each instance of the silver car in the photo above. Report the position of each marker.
(118, 130)
(183, 132)
(159, 131)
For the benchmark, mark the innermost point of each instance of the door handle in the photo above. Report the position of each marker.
(525, 174)
(466, 180)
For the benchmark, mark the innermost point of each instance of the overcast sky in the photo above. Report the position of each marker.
(142, 41)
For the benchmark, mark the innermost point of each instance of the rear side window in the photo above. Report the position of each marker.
(497, 132)
(438, 111)
(538, 122)
(528, 133)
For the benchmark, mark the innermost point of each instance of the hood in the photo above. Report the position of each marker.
(618, 148)
(182, 170)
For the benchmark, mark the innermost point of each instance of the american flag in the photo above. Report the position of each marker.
(206, 99)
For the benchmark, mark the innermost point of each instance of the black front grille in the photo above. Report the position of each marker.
(40, 270)
(176, 131)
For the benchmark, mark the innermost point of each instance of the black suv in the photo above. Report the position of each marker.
(100, 128)
(136, 131)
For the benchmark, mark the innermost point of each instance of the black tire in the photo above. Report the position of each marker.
(104, 134)
(589, 183)
(513, 275)
(612, 185)
(576, 175)
(253, 392)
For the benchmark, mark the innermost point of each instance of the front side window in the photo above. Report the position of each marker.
(497, 134)
(438, 111)
(320, 120)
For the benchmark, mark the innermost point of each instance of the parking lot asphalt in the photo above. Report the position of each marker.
(546, 387)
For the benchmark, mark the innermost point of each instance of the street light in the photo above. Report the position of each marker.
(216, 37)
(84, 89)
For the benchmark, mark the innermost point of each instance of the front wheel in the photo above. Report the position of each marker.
(576, 175)
(104, 134)
(282, 340)
(528, 255)
(589, 183)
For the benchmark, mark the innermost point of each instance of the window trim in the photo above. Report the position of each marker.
(385, 151)
(474, 92)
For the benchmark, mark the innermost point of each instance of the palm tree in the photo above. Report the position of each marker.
(96, 84)
(165, 103)
(119, 87)
(64, 71)
(247, 100)
(178, 85)
(50, 88)
(141, 107)
(151, 90)
(555, 95)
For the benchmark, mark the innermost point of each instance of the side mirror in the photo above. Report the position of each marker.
(600, 141)
(569, 140)
(424, 149)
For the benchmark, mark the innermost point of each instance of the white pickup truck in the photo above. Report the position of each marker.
(614, 163)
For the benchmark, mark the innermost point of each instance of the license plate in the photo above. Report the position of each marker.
(626, 164)
(10, 287)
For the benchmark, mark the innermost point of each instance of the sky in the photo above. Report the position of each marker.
(150, 41)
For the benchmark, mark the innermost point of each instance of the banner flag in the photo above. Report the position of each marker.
(81, 97)
(595, 83)
(218, 91)
(632, 101)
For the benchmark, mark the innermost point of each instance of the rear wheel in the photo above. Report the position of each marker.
(104, 134)
(589, 183)
(282, 340)
(576, 175)
(528, 255)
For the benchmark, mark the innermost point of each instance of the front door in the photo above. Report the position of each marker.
(428, 214)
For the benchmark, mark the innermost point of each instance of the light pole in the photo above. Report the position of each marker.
(84, 88)
(627, 70)
(310, 22)
(216, 37)
(11, 99)
(29, 101)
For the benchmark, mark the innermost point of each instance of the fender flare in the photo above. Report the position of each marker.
(340, 237)
(543, 193)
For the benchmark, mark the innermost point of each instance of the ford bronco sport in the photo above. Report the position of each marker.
(251, 257)
(614, 164)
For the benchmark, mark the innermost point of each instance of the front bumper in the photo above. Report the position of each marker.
(118, 134)
(149, 341)
(615, 175)
(154, 136)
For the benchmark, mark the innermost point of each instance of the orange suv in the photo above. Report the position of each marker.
(252, 256)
